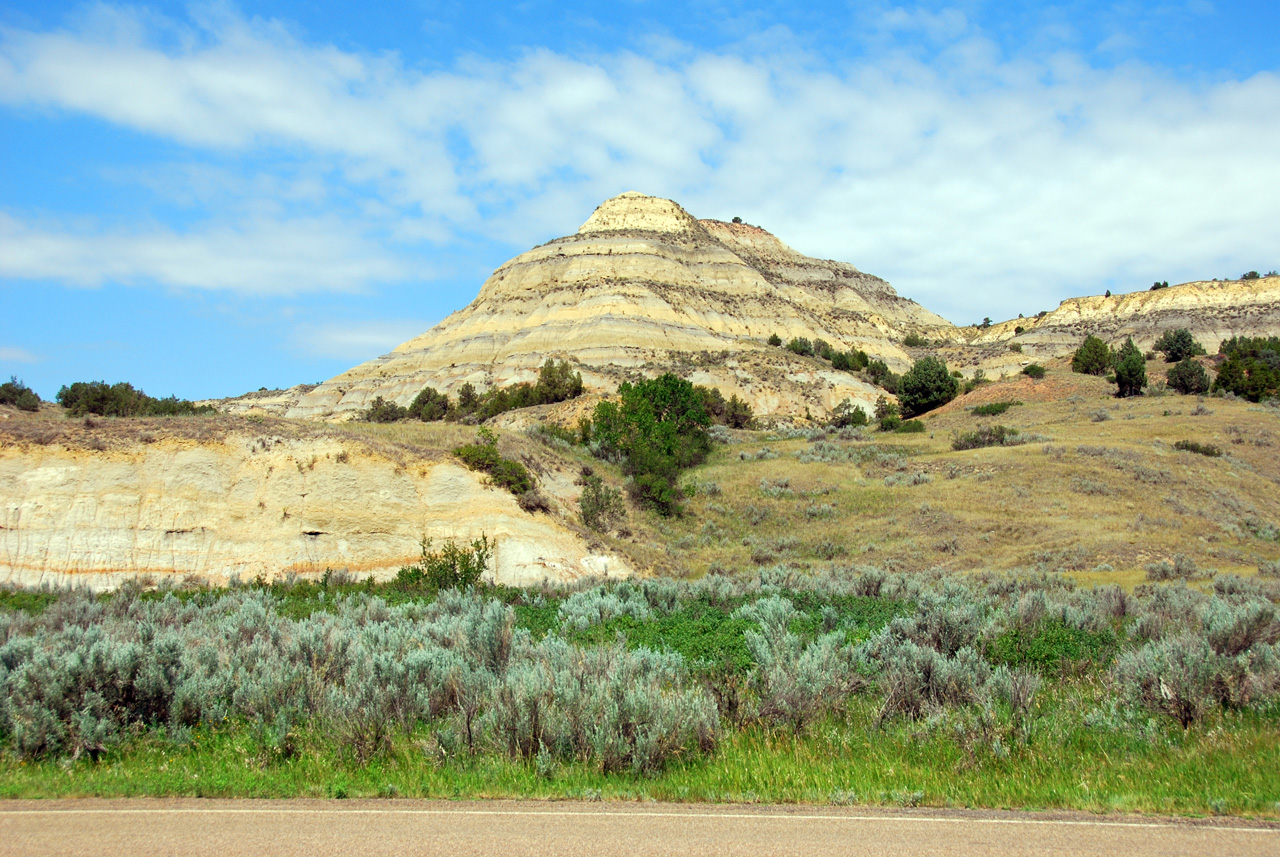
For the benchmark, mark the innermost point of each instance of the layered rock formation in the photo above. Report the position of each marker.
(643, 288)
(249, 505)
(1211, 310)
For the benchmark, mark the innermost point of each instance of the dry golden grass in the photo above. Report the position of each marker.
(1101, 497)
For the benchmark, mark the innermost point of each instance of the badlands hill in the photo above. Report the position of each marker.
(643, 288)
(1212, 310)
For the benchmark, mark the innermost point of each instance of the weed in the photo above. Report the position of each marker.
(1199, 448)
(992, 409)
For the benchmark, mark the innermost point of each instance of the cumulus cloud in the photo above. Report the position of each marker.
(974, 180)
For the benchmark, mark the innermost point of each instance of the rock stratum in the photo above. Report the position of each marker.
(643, 288)
(251, 504)
(1212, 310)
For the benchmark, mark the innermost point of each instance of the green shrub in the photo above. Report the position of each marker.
(847, 414)
(14, 392)
(1093, 357)
(557, 382)
(1033, 370)
(910, 427)
(1131, 370)
(914, 340)
(775, 340)
(1053, 647)
(926, 386)
(986, 436)
(429, 406)
(1183, 567)
(795, 680)
(483, 456)
(738, 413)
(1015, 347)
(122, 400)
(992, 409)
(1199, 448)
(890, 422)
(658, 429)
(1178, 345)
(600, 506)
(1189, 378)
(979, 378)
(382, 411)
(1252, 368)
(801, 346)
(451, 567)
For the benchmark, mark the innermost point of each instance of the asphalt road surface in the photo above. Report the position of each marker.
(228, 828)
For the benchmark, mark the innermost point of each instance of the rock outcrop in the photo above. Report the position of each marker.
(642, 288)
(251, 505)
(1212, 310)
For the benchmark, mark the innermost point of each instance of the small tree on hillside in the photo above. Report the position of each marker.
(1177, 345)
(1189, 378)
(926, 386)
(1093, 357)
(1131, 370)
(429, 405)
(14, 392)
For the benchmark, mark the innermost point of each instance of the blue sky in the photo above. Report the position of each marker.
(207, 198)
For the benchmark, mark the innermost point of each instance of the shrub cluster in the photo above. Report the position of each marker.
(1131, 370)
(853, 360)
(992, 409)
(451, 567)
(557, 382)
(1251, 369)
(847, 415)
(122, 400)
(927, 385)
(659, 428)
(1033, 370)
(1093, 357)
(14, 392)
(1177, 345)
(600, 506)
(483, 456)
(1200, 448)
(1189, 377)
(85, 675)
(996, 435)
(625, 677)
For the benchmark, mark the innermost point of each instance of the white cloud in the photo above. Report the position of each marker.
(974, 181)
(266, 257)
(13, 354)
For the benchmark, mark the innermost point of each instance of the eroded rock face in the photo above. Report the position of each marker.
(643, 287)
(246, 506)
(1211, 310)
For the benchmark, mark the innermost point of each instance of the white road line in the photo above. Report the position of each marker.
(631, 814)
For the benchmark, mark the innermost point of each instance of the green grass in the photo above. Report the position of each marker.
(28, 601)
(1225, 765)
(1054, 648)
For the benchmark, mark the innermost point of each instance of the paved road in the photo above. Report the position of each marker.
(351, 828)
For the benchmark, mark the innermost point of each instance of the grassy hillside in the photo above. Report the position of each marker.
(1096, 489)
